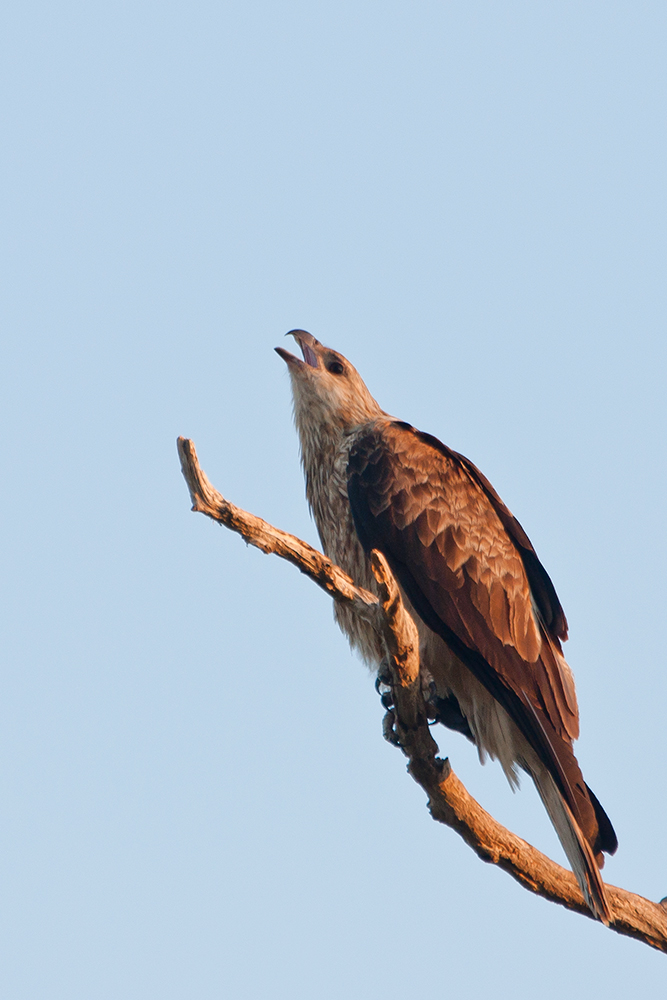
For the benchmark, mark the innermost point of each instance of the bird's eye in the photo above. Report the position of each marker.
(335, 368)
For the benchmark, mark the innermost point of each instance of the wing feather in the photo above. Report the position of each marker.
(543, 591)
(430, 511)
(474, 578)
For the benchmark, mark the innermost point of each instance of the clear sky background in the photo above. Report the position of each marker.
(467, 200)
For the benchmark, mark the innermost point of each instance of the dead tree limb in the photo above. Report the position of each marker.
(406, 723)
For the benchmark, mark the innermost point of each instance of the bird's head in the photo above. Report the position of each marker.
(329, 394)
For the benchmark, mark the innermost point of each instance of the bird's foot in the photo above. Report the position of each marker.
(383, 685)
(430, 696)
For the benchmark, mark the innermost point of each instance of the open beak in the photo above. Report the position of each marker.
(308, 346)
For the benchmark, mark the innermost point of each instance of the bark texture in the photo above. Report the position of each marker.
(406, 724)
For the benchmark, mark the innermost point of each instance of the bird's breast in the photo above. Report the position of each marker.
(330, 505)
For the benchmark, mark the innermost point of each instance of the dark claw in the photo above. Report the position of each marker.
(383, 676)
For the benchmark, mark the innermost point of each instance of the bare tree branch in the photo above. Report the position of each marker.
(406, 722)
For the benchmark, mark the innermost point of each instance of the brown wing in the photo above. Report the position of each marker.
(440, 527)
(542, 589)
(427, 510)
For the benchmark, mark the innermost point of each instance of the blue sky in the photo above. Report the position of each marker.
(467, 200)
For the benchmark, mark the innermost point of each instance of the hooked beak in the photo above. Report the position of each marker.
(308, 346)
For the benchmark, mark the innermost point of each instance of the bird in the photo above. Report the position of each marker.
(490, 624)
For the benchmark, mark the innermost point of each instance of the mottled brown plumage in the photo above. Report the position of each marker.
(488, 616)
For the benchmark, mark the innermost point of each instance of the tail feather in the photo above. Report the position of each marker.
(606, 839)
(576, 846)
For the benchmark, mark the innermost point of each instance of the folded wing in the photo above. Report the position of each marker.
(474, 578)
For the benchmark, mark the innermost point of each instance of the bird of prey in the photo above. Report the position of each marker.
(489, 621)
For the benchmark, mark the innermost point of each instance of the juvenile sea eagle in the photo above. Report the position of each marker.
(490, 624)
